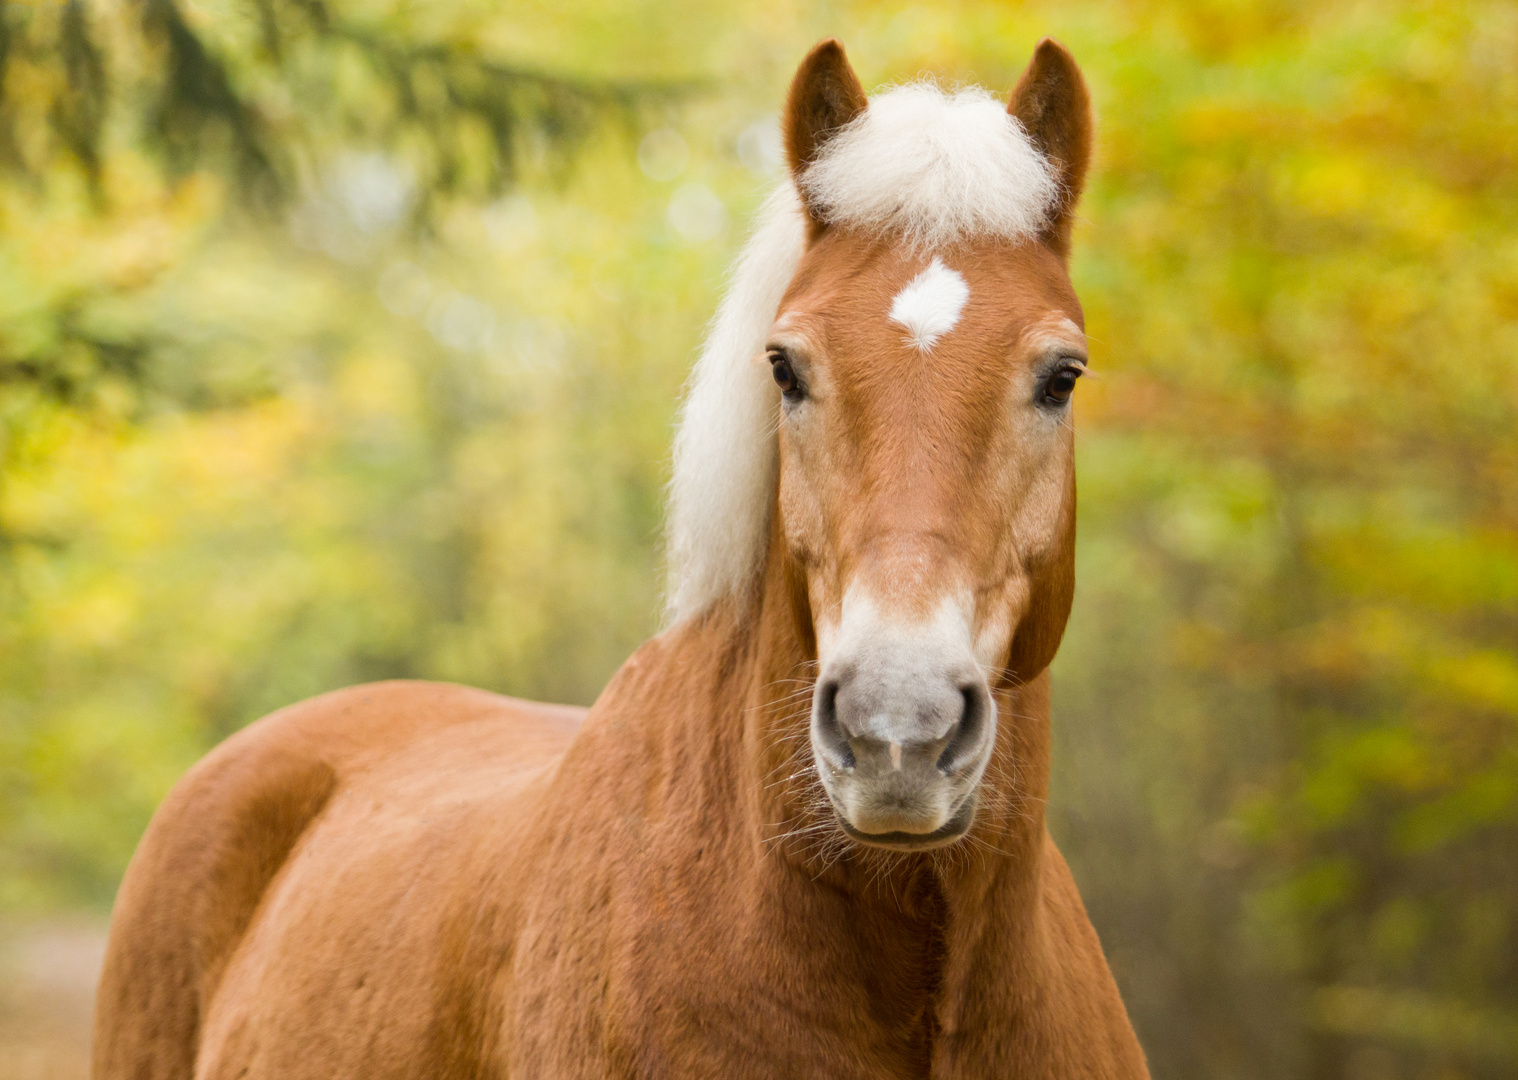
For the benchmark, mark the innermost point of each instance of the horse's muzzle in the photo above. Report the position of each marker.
(902, 727)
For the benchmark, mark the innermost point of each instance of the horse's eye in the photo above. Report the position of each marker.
(1061, 385)
(785, 375)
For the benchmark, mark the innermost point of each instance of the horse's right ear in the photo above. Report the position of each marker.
(1054, 107)
(825, 95)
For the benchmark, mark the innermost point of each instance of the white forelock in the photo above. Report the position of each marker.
(930, 168)
(933, 168)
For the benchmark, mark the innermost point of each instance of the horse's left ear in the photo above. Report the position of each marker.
(1053, 106)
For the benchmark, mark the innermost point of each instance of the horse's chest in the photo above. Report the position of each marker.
(735, 1027)
(712, 990)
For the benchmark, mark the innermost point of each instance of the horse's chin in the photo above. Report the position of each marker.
(948, 833)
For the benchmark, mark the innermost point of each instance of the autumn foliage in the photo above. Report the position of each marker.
(371, 373)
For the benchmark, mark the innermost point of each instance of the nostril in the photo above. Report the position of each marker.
(825, 724)
(975, 712)
(827, 702)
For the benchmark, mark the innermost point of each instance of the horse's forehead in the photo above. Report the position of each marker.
(875, 303)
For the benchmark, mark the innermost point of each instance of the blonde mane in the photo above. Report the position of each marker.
(927, 166)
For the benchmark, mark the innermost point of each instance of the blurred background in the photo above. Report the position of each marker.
(341, 341)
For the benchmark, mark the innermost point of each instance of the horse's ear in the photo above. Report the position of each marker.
(1053, 106)
(825, 95)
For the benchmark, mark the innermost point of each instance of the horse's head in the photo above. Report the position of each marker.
(903, 316)
(925, 355)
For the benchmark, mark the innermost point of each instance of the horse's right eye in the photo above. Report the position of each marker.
(785, 375)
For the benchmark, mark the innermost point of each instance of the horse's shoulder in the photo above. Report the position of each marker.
(230, 824)
(238, 811)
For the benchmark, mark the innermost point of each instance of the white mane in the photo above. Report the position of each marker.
(930, 167)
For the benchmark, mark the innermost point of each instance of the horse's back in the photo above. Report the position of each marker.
(364, 798)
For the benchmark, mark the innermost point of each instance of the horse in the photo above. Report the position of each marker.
(801, 831)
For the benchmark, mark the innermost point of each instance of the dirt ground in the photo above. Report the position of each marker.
(47, 988)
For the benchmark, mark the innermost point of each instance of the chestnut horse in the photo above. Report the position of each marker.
(801, 833)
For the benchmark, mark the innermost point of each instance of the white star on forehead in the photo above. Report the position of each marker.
(930, 305)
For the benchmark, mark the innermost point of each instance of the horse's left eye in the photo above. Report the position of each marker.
(1061, 385)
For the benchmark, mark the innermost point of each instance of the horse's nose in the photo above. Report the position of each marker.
(903, 723)
(937, 725)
